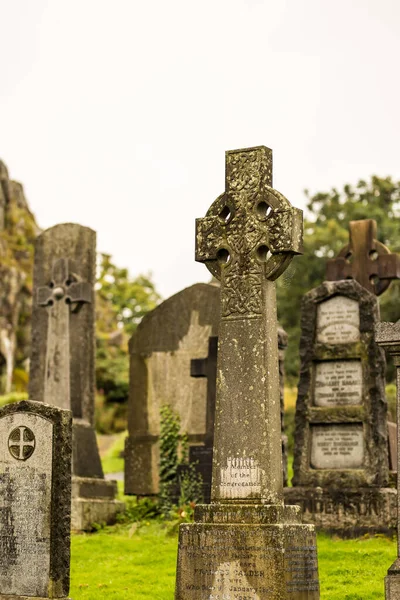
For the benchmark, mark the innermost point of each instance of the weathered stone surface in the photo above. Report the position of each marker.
(341, 385)
(161, 349)
(35, 492)
(247, 239)
(63, 342)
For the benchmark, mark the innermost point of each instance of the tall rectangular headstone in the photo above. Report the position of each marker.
(35, 498)
(62, 368)
(246, 543)
(341, 470)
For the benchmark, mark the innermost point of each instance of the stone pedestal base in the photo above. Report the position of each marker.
(347, 512)
(93, 501)
(247, 551)
(392, 582)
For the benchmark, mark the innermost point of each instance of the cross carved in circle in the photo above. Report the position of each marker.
(21, 443)
(365, 259)
(64, 285)
(249, 233)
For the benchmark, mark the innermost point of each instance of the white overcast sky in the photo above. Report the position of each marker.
(116, 114)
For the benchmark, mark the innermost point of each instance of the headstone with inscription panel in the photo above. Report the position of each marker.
(247, 543)
(62, 370)
(341, 469)
(35, 498)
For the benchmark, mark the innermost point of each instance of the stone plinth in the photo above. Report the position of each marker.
(239, 551)
(392, 582)
(93, 501)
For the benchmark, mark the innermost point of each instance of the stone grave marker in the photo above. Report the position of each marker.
(35, 493)
(246, 543)
(201, 456)
(387, 335)
(161, 349)
(341, 470)
(62, 370)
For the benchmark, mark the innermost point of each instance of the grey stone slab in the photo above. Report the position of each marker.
(35, 492)
(338, 321)
(338, 383)
(337, 446)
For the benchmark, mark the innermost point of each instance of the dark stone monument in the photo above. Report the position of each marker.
(161, 349)
(387, 335)
(62, 358)
(35, 498)
(247, 543)
(341, 466)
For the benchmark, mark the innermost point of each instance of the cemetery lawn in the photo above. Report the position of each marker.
(135, 562)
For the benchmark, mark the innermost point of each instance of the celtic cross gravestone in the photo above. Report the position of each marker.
(35, 491)
(365, 259)
(387, 335)
(62, 357)
(246, 542)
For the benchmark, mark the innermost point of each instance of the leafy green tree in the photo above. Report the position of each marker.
(325, 233)
(121, 302)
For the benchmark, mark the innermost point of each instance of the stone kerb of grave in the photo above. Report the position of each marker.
(341, 469)
(35, 487)
(247, 543)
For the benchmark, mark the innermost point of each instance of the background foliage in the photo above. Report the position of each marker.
(325, 233)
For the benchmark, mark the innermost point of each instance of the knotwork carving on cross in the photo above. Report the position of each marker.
(365, 259)
(249, 233)
(65, 285)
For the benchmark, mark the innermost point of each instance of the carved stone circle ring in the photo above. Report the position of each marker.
(21, 443)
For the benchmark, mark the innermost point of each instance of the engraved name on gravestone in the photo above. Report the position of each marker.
(35, 489)
(338, 321)
(337, 446)
(338, 382)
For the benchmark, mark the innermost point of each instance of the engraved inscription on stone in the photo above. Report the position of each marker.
(338, 383)
(237, 564)
(21, 443)
(337, 446)
(240, 478)
(25, 499)
(338, 321)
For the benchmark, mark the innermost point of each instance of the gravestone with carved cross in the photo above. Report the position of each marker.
(246, 540)
(387, 335)
(365, 259)
(62, 357)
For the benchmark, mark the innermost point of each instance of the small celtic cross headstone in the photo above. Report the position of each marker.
(365, 259)
(63, 294)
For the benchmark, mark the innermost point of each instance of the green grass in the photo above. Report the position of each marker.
(112, 461)
(137, 562)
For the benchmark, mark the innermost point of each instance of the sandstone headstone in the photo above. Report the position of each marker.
(246, 543)
(387, 335)
(62, 359)
(160, 353)
(341, 469)
(35, 493)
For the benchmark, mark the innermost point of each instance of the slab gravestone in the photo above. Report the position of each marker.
(387, 335)
(201, 456)
(161, 349)
(35, 492)
(246, 543)
(341, 470)
(62, 370)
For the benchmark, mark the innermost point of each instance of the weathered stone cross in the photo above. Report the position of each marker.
(63, 294)
(387, 335)
(247, 239)
(365, 259)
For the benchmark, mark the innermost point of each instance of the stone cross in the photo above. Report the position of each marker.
(247, 239)
(365, 259)
(387, 335)
(63, 294)
(207, 367)
(35, 492)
